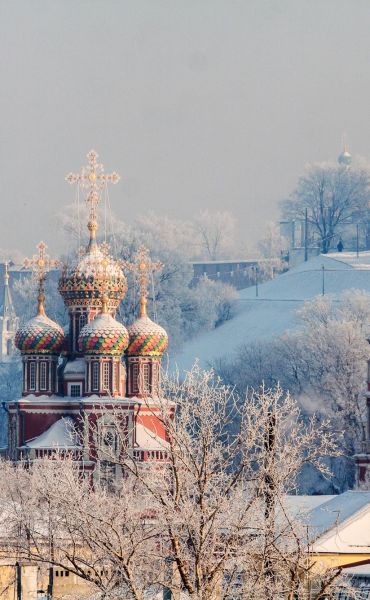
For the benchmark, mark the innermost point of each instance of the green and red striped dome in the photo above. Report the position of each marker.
(146, 338)
(40, 335)
(103, 335)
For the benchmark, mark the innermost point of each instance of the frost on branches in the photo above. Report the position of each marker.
(323, 362)
(209, 522)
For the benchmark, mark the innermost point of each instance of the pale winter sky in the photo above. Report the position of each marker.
(213, 104)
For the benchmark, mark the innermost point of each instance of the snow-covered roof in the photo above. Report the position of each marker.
(273, 311)
(60, 435)
(75, 367)
(336, 511)
(149, 440)
(302, 505)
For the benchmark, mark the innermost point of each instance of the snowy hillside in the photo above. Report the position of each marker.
(273, 312)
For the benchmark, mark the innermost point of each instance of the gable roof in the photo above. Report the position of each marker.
(335, 512)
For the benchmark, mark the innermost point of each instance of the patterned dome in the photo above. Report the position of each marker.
(146, 338)
(103, 335)
(82, 284)
(40, 335)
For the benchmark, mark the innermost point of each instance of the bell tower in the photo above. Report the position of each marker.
(8, 321)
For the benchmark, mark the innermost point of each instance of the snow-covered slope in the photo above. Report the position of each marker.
(273, 312)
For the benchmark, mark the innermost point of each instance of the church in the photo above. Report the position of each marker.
(77, 377)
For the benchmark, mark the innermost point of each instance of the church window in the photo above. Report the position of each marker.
(75, 390)
(135, 377)
(32, 376)
(8, 325)
(115, 379)
(146, 378)
(95, 376)
(9, 347)
(43, 375)
(155, 378)
(82, 321)
(106, 376)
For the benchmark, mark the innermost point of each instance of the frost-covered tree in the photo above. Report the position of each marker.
(182, 308)
(323, 362)
(10, 388)
(273, 248)
(333, 195)
(210, 522)
(214, 237)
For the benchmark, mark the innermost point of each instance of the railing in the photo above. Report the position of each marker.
(145, 455)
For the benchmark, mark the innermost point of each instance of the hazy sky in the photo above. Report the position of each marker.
(196, 103)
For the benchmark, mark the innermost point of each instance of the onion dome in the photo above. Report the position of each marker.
(345, 158)
(85, 281)
(146, 337)
(40, 335)
(103, 335)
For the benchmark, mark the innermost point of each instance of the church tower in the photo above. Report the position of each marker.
(8, 321)
(40, 340)
(148, 341)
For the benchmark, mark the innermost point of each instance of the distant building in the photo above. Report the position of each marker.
(238, 273)
(8, 321)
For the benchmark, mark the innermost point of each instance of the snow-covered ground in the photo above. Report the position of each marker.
(273, 312)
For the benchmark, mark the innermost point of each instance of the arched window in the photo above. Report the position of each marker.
(135, 377)
(43, 383)
(155, 378)
(146, 378)
(95, 376)
(9, 347)
(82, 321)
(32, 376)
(106, 376)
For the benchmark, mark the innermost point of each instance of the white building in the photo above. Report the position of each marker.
(9, 321)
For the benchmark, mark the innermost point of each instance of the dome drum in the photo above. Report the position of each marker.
(84, 283)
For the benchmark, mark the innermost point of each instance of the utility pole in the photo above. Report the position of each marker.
(357, 238)
(323, 281)
(305, 235)
(256, 279)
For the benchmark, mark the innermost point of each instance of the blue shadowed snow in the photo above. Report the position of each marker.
(336, 511)
(273, 312)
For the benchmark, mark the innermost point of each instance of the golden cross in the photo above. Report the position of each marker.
(41, 263)
(93, 179)
(142, 267)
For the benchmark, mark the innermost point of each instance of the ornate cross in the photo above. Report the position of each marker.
(41, 263)
(93, 179)
(142, 267)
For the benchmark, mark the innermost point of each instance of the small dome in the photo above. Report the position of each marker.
(40, 335)
(146, 338)
(345, 158)
(83, 283)
(103, 335)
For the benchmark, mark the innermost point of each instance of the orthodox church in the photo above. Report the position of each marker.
(83, 374)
